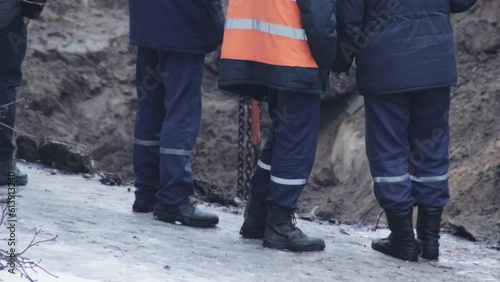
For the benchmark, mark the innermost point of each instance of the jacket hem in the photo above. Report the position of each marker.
(227, 85)
(153, 46)
(404, 90)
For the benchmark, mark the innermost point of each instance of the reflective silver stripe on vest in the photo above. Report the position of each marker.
(263, 165)
(429, 178)
(391, 179)
(150, 143)
(288, 181)
(176, 152)
(267, 27)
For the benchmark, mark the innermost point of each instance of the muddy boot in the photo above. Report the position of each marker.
(401, 243)
(282, 234)
(254, 225)
(187, 214)
(428, 227)
(11, 167)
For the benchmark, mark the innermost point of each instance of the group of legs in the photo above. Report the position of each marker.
(406, 139)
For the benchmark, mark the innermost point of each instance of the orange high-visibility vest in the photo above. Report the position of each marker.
(266, 31)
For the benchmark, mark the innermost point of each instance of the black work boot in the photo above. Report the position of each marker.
(428, 227)
(282, 234)
(187, 214)
(144, 205)
(9, 166)
(401, 243)
(254, 225)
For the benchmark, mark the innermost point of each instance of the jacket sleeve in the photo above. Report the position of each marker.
(320, 24)
(350, 15)
(32, 8)
(460, 6)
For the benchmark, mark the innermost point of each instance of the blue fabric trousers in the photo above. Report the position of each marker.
(13, 41)
(288, 156)
(167, 124)
(407, 137)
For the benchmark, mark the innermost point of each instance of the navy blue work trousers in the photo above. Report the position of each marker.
(167, 123)
(407, 137)
(288, 156)
(13, 41)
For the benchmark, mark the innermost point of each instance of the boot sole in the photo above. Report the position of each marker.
(141, 209)
(427, 252)
(411, 256)
(281, 246)
(4, 181)
(173, 218)
(247, 234)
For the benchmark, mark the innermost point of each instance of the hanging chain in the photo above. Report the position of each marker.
(248, 149)
(241, 148)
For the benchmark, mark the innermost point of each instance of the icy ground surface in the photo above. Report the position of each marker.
(100, 239)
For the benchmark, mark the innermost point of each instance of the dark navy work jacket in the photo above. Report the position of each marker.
(252, 79)
(187, 26)
(399, 45)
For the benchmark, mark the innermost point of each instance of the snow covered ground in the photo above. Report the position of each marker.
(100, 239)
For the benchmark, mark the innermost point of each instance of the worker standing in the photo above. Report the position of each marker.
(406, 64)
(280, 51)
(172, 39)
(15, 16)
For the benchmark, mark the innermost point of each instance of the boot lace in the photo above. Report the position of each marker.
(294, 222)
(378, 220)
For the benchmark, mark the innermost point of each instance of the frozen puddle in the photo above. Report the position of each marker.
(100, 239)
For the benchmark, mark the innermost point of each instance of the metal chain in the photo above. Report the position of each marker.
(248, 149)
(241, 148)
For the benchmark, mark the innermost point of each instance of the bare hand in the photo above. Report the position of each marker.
(26, 20)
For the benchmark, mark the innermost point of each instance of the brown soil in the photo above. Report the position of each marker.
(80, 60)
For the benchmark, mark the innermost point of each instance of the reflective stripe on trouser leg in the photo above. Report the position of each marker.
(182, 75)
(260, 183)
(387, 149)
(429, 138)
(148, 123)
(295, 128)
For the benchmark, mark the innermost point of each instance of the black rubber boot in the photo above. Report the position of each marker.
(428, 228)
(401, 243)
(6, 167)
(282, 234)
(187, 214)
(144, 205)
(254, 225)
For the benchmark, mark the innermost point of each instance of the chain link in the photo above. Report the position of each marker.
(241, 148)
(249, 156)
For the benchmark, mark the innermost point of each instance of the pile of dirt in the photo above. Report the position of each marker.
(79, 75)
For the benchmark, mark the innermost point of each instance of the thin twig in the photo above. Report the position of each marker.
(17, 131)
(142, 243)
(15, 102)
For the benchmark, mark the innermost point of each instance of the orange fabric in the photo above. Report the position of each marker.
(284, 12)
(262, 47)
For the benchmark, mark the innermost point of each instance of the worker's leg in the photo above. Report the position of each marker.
(13, 42)
(148, 124)
(295, 129)
(429, 163)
